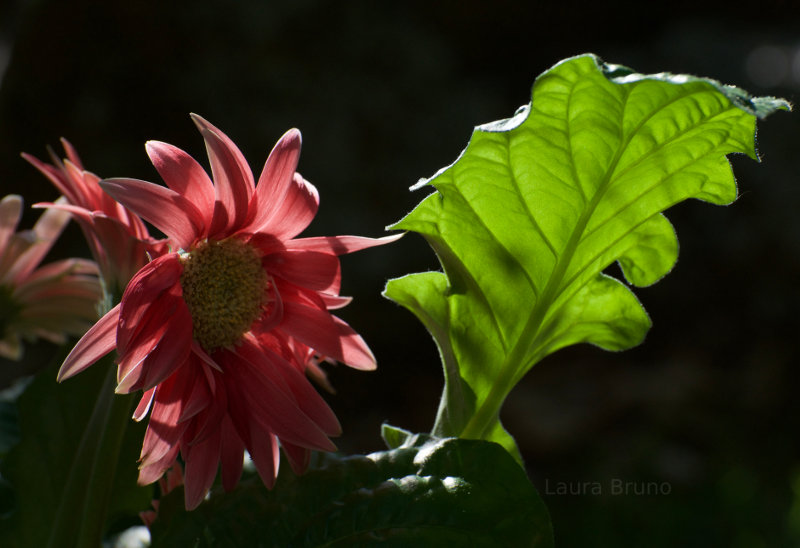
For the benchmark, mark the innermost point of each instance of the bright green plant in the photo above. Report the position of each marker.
(537, 206)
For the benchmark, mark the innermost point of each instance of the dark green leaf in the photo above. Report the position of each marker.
(428, 492)
(9, 426)
(57, 454)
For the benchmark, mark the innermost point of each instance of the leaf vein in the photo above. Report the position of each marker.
(528, 211)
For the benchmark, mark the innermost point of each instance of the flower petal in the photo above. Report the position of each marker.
(200, 394)
(275, 179)
(184, 175)
(46, 230)
(80, 212)
(266, 456)
(299, 457)
(81, 189)
(164, 430)
(355, 351)
(10, 212)
(338, 245)
(257, 396)
(73, 190)
(296, 212)
(233, 180)
(167, 210)
(309, 400)
(171, 352)
(326, 334)
(333, 302)
(209, 419)
(72, 154)
(91, 196)
(144, 289)
(309, 269)
(144, 405)
(119, 254)
(153, 470)
(208, 360)
(149, 334)
(232, 455)
(96, 343)
(202, 461)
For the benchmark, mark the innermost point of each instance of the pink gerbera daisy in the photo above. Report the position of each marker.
(211, 330)
(49, 301)
(118, 239)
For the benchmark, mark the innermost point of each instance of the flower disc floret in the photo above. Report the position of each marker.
(225, 288)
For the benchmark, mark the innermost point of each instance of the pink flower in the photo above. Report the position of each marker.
(210, 331)
(51, 301)
(118, 239)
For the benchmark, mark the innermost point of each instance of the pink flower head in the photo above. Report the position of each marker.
(51, 301)
(210, 331)
(118, 239)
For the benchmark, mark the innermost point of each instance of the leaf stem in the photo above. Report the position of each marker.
(515, 364)
(480, 424)
(104, 469)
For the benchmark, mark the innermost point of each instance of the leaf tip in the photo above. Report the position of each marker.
(394, 436)
(507, 124)
(760, 107)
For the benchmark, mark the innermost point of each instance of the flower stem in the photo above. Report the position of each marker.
(80, 519)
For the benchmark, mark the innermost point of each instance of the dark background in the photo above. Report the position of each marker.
(386, 93)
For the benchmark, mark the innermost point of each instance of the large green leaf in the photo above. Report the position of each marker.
(427, 492)
(537, 206)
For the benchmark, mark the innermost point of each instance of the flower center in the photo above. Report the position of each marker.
(225, 288)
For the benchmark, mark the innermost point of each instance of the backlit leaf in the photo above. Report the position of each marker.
(538, 206)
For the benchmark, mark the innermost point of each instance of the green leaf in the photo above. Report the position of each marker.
(537, 206)
(69, 486)
(427, 492)
(393, 436)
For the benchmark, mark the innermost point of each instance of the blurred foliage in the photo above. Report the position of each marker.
(63, 444)
(386, 93)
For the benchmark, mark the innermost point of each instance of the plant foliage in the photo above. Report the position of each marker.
(427, 492)
(526, 220)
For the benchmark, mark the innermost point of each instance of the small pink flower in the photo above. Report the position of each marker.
(210, 331)
(118, 239)
(51, 301)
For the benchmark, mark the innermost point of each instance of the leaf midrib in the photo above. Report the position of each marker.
(533, 326)
(515, 364)
(658, 183)
(554, 284)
